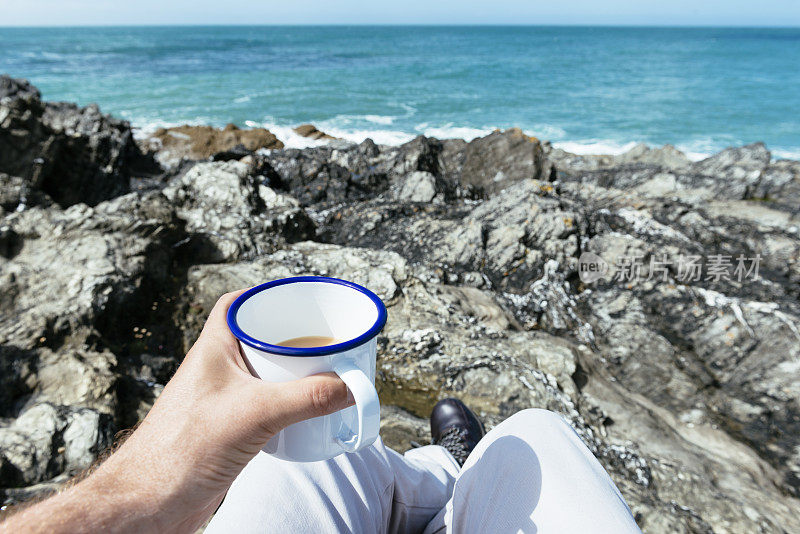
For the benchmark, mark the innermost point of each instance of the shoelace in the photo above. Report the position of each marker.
(454, 440)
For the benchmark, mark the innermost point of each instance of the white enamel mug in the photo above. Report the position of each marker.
(314, 306)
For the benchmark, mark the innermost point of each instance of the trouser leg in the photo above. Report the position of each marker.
(532, 473)
(373, 490)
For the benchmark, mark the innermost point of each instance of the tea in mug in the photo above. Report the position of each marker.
(305, 342)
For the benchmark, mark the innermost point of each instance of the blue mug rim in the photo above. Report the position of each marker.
(250, 341)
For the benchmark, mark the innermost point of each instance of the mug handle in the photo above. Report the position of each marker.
(367, 405)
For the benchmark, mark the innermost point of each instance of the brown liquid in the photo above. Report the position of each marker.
(305, 342)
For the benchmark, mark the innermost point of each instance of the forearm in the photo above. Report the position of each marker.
(103, 502)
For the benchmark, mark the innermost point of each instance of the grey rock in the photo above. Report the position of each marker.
(740, 169)
(507, 237)
(223, 204)
(780, 183)
(332, 174)
(327, 174)
(47, 439)
(666, 157)
(17, 88)
(493, 162)
(89, 262)
(733, 174)
(420, 186)
(71, 154)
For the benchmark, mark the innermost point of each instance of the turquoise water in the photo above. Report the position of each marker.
(589, 89)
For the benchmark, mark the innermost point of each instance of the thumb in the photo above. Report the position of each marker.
(298, 400)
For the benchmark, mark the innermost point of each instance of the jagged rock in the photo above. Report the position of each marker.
(666, 157)
(17, 88)
(494, 162)
(733, 174)
(71, 154)
(420, 186)
(88, 262)
(780, 183)
(73, 275)
(47, 439)
(736, 169)
(329, 174)
(225, 205)
(507, 237)
(346, 172)
(203, 142)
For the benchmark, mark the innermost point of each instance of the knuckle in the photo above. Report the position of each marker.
(322, 397)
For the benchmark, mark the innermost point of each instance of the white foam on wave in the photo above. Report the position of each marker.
(286, 135)
(781, 153)
(449, 131)
(696, 156)
(548, 132)
(699, 149)
(381, 137)
(291, 139)
(146, 129)
(595, 147)
(379, 119)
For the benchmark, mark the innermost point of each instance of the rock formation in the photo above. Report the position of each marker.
(311, 131)
(686, 389)
(172, 145)
(60, 152)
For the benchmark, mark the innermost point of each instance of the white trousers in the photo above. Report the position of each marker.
(532, 473)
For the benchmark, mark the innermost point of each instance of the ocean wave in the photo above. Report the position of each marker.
(287, 135)
(548, 132)
(142, 129)
(379, 119)
(699, 149)
(595, 147)
(449, 131)
(381, 137)
(786, 153)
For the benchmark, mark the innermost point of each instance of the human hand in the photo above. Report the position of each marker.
(210, 420)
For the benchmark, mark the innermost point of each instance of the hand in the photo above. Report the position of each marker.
(211, 419)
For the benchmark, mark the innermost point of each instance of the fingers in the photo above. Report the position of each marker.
(217, 316)
(216, 325)
(216, 338)
(284, 403)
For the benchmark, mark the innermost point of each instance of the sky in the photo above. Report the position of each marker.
(598, 12)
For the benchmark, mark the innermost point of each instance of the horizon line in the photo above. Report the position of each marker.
(401, 25)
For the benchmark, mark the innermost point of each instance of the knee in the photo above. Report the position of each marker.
(537, 418)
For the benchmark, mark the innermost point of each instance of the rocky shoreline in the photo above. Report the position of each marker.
(112, 251)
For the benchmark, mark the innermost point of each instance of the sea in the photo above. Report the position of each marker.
(585, 89)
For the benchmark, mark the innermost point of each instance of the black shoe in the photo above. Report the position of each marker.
(456, 428)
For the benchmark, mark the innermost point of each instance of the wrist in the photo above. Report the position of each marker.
(122, 496)
(95, 504)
